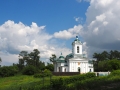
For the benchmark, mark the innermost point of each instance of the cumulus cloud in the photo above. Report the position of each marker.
(83, 0)
(79, 20)
(101, 30)
(102, 25)
(15, 37)
(79, 1)
(70, 33)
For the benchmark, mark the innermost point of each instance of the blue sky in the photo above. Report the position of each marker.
(51, 26)
(55, 14)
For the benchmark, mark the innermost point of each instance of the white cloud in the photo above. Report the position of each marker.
(63, 34)
(100, 17)
(79, 20)
(70, 33)
(87, 0)
(83, 0)
(102, 25)
(76, 19)
(15, 37)
(100, 32)
(79, 1)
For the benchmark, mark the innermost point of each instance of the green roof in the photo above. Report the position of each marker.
(61, 57)
(70, 55)
(91, 62)
(61, 61)
(76, 40)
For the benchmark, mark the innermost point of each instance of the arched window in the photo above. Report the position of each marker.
(77, 49)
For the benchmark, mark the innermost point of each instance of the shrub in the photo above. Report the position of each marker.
(38, 75)
(62, 82)
(115, 72)
(29, 70)
(6, 71)
(45, 73)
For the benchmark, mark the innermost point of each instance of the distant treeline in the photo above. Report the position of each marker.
(28, 64)
(107, 61)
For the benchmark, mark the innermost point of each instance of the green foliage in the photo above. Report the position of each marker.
(96, 83)
(29, 70)
(109, 65)
(40, 75)
(85, 82)
(53, 58)
(45, 73)
(101, 66)
(116, 72)
(30, 59)
(0, 60)
(50, 67)
(6, 71)
(62, 82)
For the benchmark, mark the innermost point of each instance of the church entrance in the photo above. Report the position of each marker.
(59, 69)
(78, 69)
(90, 70)
(65, 69)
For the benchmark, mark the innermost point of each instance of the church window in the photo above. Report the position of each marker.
(77, 49)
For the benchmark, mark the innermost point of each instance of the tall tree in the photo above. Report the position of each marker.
(34, 57)
(0, 61)
(53, 58)
(105, 55)
(23, 57)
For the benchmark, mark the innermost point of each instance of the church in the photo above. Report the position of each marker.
(75, 61)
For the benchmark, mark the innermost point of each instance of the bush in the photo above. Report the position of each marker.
(29, 70)
(109, 65)
(62, 82)
(6, 71)
(40, 75)
(45, 73)
(115, 72)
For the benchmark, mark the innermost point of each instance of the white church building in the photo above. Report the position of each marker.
(74, 62)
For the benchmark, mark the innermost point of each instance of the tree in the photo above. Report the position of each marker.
(53, 58)
(0, 61)
(34, 58)
(29, 70)
(50, 67)
(23, 56)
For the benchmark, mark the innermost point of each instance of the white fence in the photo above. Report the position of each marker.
(102, 73)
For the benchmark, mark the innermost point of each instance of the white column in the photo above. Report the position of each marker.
(75, 67)
(80, 49)
(70, 66)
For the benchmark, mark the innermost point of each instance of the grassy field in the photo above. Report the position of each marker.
(24, 82)
(9, 83)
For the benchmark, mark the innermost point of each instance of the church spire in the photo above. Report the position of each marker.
(61, 53)
(76, 37)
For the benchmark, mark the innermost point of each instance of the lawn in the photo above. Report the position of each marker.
(24, 81)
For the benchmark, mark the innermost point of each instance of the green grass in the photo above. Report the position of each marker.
(24, 81)
(14, 81)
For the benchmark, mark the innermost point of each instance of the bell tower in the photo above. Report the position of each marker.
(77, 47)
